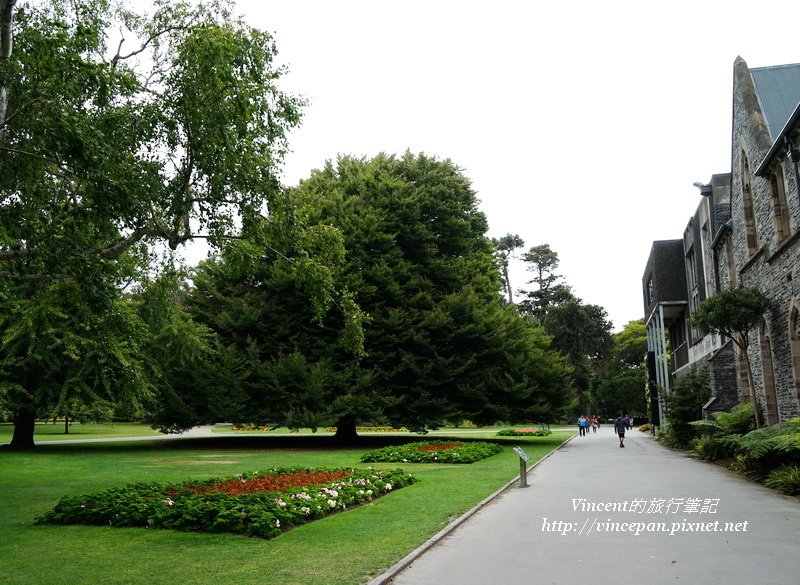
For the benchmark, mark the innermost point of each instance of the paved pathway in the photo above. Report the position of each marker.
(195, 432)
(544, 534)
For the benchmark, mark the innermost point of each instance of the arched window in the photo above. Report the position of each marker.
(794, 341)
(768, 375)
(780, 209)
(747, 207)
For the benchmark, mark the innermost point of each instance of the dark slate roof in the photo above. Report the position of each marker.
(778, 91)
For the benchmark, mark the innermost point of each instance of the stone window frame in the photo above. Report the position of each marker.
(733, 276)
(780, 205)
(748, 210)
(771, 412)
(794, 344)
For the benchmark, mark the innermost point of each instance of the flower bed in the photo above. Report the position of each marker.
(524, 433)
(258, 504)
(373, 429)
(433, 452)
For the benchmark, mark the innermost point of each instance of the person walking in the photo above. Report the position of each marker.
(582, 426)
(619, 428)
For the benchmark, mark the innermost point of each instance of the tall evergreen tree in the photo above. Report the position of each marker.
(439, 344)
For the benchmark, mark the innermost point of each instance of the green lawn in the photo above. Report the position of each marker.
(343, 549)
(55, 432)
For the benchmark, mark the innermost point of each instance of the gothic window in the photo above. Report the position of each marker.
(768, 373)
(732, 277)
(794, 341)
(747, 207)
(780, 209)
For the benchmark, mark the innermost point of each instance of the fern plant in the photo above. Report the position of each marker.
(785, 479)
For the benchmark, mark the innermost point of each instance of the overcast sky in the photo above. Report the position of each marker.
(581, 124)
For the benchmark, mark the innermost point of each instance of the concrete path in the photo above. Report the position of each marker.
(578, 521)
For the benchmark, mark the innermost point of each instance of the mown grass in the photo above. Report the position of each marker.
(343, 549)
(55, 431)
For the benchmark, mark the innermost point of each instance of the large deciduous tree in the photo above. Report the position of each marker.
(118, 131)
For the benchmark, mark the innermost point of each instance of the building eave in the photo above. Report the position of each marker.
(779, 143)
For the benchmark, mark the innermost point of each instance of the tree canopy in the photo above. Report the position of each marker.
(120, 132)
(623, 389)
(504, 250)
(439, 343)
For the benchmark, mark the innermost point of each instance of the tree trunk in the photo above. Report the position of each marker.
(24, 424)
(66, 424)
(507, 282)
(346, 430)
(743, 345)
(6, 38)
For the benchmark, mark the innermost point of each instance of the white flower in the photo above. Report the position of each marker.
(305, 510)
(388, 487)
(168, 502)
(332, 503)
(277, 523)
(280, 502)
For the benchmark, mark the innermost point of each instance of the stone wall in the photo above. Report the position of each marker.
(774, 266)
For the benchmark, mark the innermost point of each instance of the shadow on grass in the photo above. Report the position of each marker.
(298, 442)
(294, 443)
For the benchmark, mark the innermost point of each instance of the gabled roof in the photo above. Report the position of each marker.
(778, 91)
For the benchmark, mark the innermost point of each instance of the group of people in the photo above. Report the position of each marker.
(621, 424)
(585, 422)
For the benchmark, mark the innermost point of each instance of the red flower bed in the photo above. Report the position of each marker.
(439, 447)
(270, 483)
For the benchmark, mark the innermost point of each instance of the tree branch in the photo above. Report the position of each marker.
(64, 172)
(115, 251)
(14, 254)
(13, 276)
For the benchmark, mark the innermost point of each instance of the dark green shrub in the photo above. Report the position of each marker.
(685, 404)
(433, 452)
(712, 448)
(524, 433)
(197, 506)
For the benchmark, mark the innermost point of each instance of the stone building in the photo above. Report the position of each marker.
(764, 249)
(680, 274)
(745, 232)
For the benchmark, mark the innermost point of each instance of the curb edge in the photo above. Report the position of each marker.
(386, 577)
